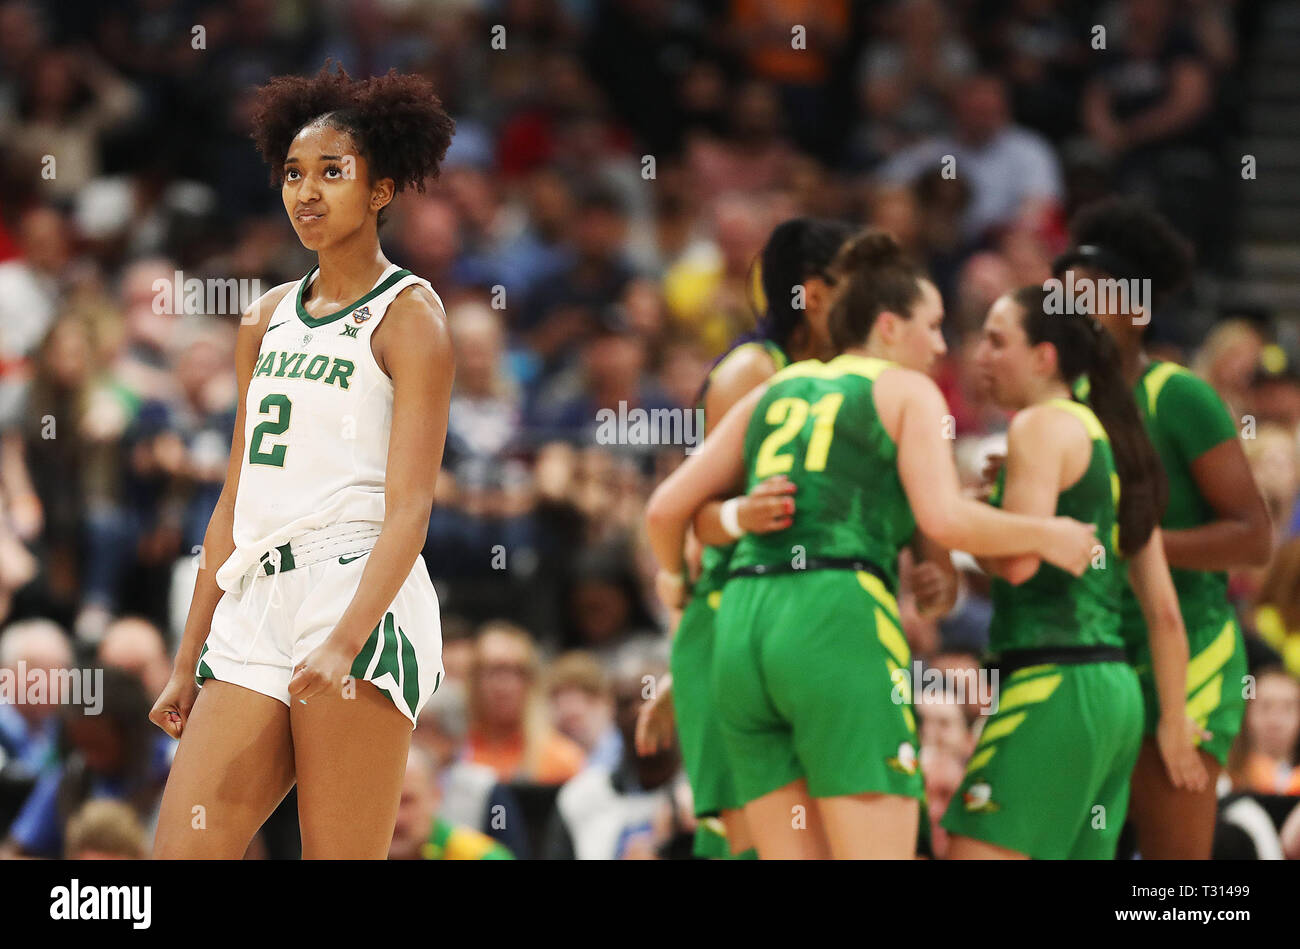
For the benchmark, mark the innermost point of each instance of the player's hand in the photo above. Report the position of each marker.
(1071, 545)
(655, 721)
(326, 667)
(671, 589)
(173, 706)
(1176, 737)
(768, 507)
(993, 463)
(932, 589)
(693, 554)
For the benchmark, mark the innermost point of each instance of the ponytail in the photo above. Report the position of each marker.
(1084, 348)
(878, 277)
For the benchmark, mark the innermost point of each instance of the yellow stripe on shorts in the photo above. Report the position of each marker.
(1001, 728)
(1200, 707)
(981, 758)
(871, 583)
(892, 639)
(1029, 693)
(903, 682)
(1212, 658)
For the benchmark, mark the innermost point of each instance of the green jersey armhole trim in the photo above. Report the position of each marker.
(314, 322)
(1096, 431)
(1155, 380)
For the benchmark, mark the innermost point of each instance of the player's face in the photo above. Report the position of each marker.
(920, 344)
(1124, 328)
(326, 190)
(1003, 356)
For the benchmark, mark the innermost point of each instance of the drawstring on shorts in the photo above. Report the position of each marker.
(273, 558)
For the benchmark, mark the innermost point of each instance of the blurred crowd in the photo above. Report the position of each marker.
(616, 168)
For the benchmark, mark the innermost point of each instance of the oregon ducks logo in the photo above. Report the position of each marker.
(906, 760)
(350, 331)
(979, 798)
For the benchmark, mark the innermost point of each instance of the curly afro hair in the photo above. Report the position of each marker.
(396, 121)
(1141, 237)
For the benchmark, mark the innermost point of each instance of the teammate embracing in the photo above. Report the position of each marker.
(808, 632)
(793, 270)
(1049, 778)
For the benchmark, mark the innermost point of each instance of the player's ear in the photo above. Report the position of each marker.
(381, 193)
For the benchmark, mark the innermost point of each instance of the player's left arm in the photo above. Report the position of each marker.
(415, 350)
(1241, 534)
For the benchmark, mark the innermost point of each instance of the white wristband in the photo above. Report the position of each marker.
(730, 515)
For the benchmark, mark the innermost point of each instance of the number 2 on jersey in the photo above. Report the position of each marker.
(277, 426)
(791, 414)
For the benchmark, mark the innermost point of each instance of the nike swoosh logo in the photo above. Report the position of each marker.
(350, 559)
(277, 325)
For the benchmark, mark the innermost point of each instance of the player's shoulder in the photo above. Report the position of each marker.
(1169, 387)
(260, 310)
(417, 316)
(748, 361)
(1041, 423)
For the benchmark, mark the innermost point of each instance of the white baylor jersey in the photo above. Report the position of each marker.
(317, 421)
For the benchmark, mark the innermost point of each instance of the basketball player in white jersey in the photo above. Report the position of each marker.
(313, 638)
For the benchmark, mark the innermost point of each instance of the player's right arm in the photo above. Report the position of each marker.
(173, 706)
(912, 409)
(709, 473)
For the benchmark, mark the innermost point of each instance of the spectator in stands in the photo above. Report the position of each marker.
(30, 288)
(116, 754)
(1148, 106)
(583, 708)
(905, 79)
(29, 731)
(422, 833)
(1277, 612)
(136, 646)
(509, 728)
(69, 101)
(1012, 171)
(1228, 360)
(1266, 756)
(105, 830)
(563, 306)
(635, 808)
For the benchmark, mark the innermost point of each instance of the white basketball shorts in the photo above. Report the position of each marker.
(258, 638)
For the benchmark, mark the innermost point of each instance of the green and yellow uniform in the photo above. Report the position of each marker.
(691, 663)
(806, 651)
(1050, 775)
(448, 842)
(1186, 418)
